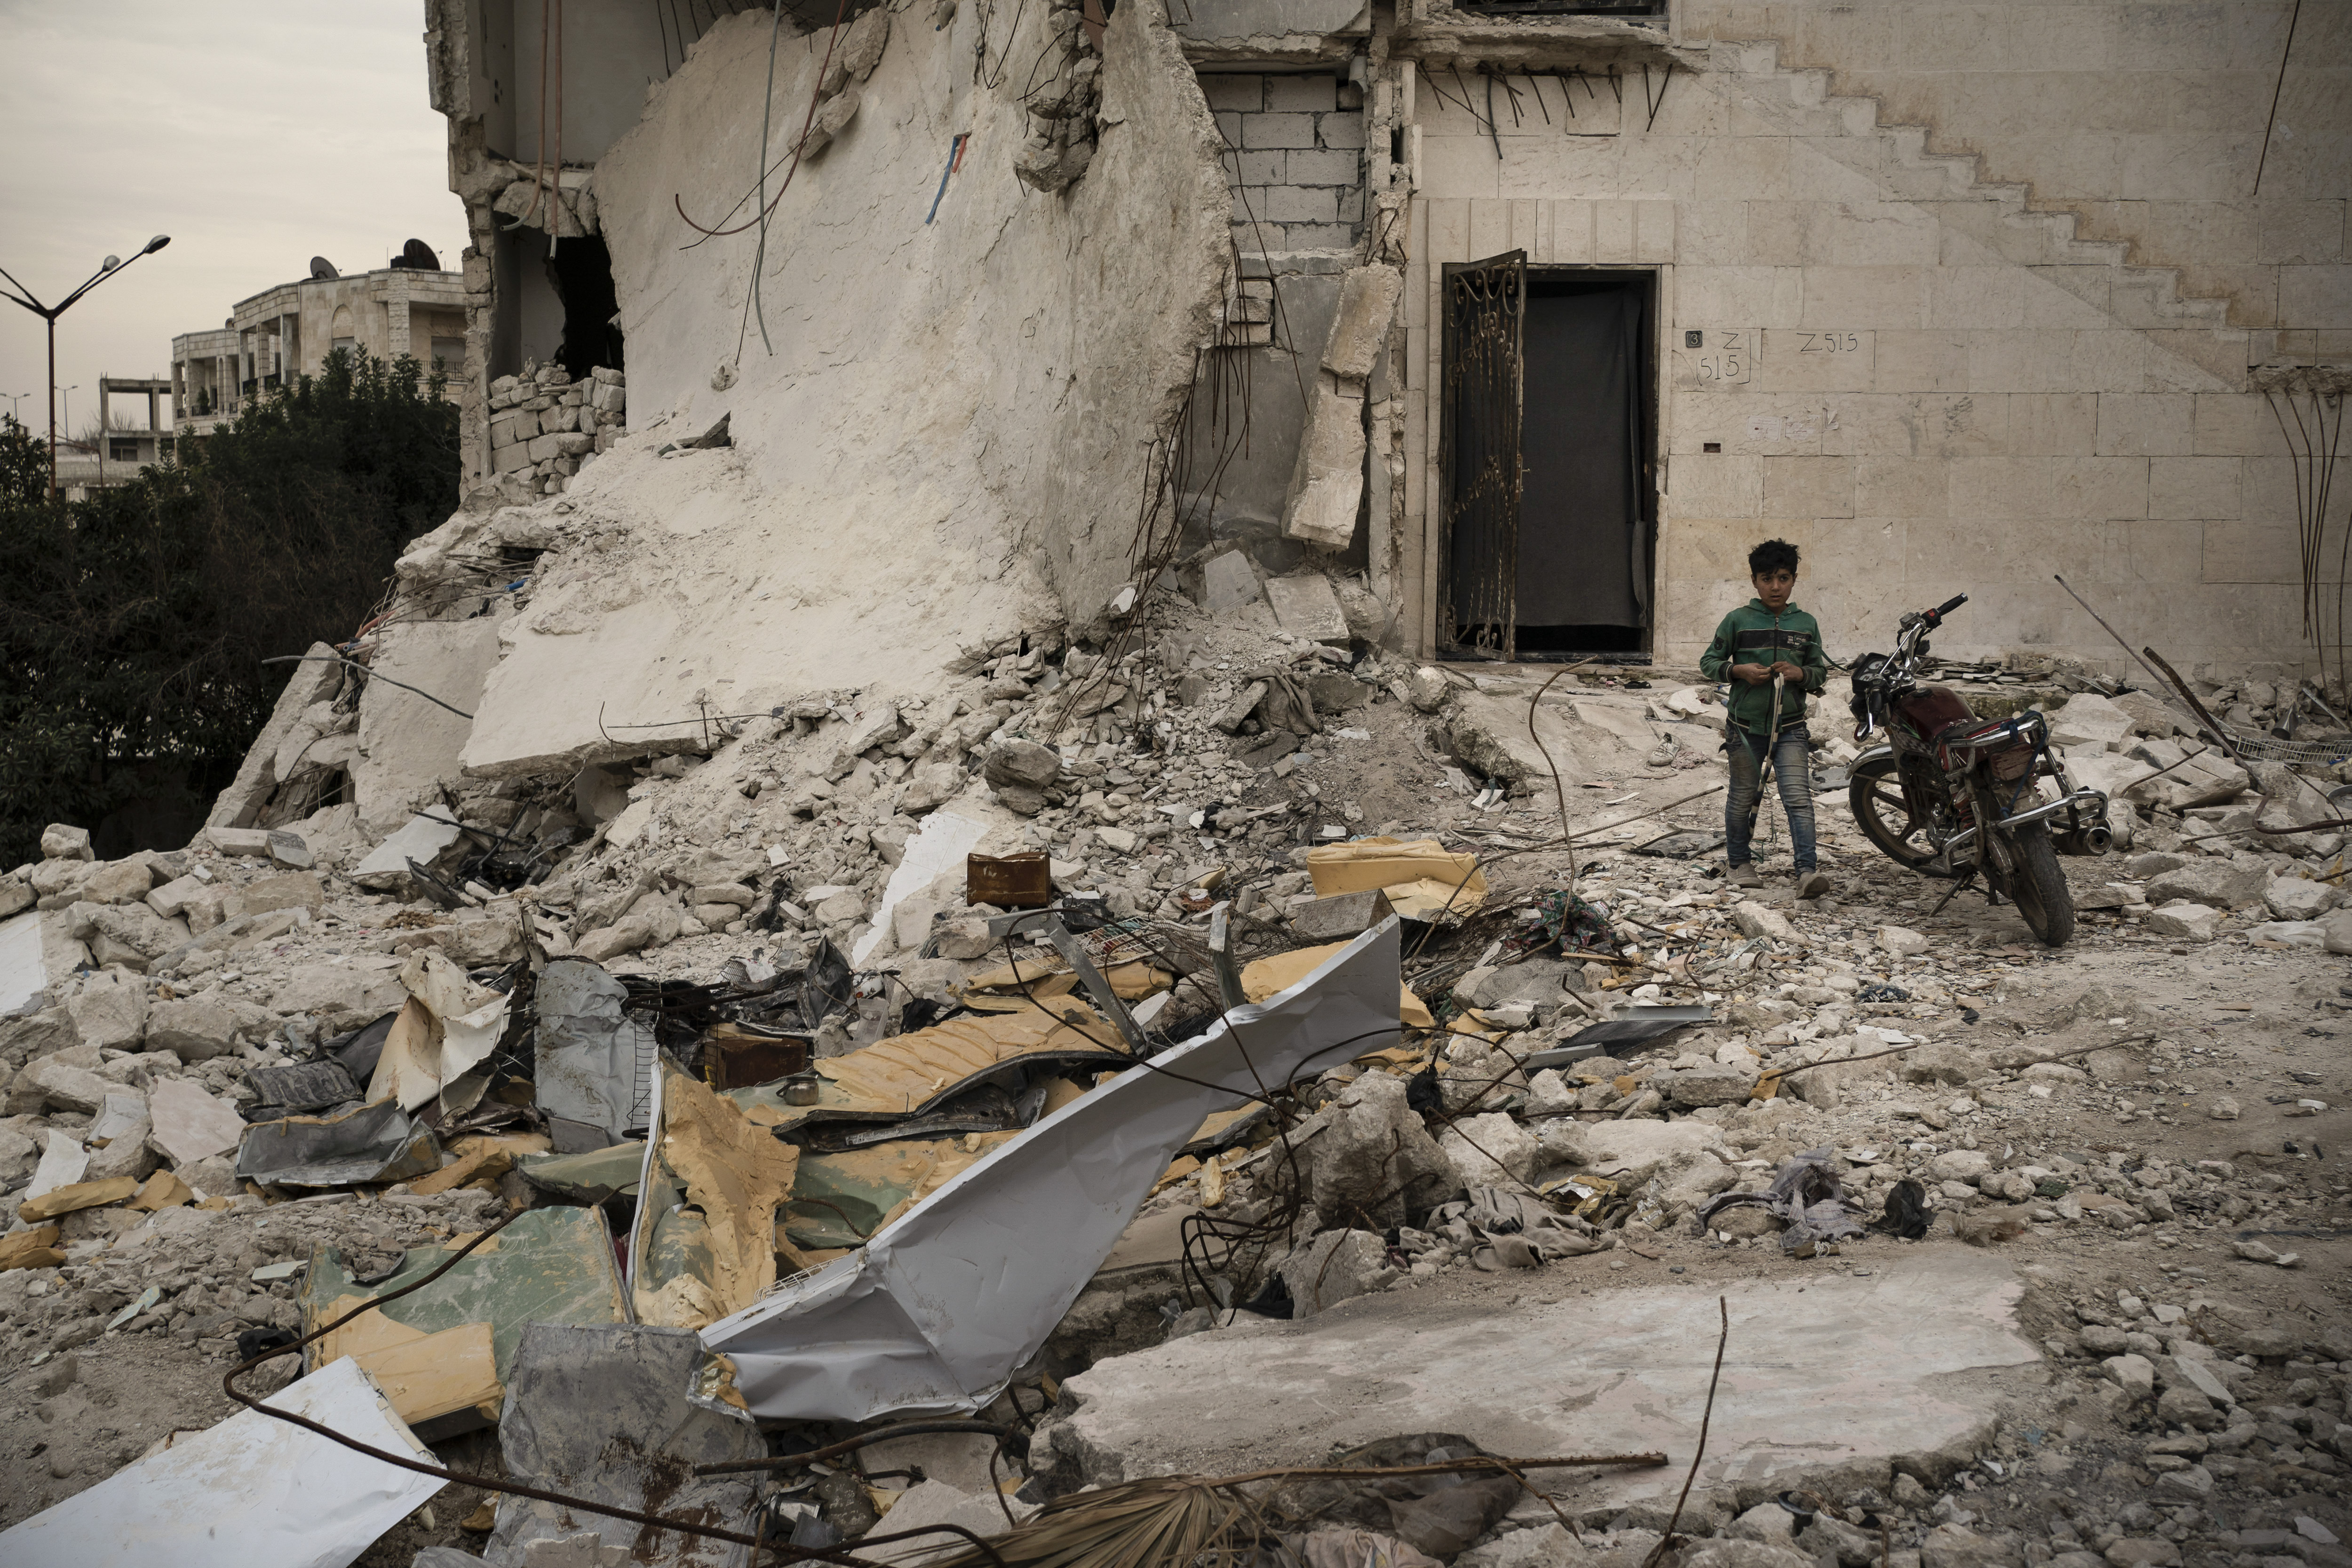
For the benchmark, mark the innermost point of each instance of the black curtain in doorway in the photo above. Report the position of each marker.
(1583, 542)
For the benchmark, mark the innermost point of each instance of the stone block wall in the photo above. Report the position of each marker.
(2145, 119)
(1293, 158)
(545, 426)
(1905, 361)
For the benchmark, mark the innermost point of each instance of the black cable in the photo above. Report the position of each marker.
(339, 658)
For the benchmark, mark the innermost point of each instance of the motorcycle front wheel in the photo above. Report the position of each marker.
(1875, 798)
(2038, 886)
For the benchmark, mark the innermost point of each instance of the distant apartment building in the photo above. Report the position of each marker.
(117, 453)
(281, 334)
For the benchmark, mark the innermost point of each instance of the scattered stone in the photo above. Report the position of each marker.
(63, 841)
(2293, 898)
(2196, 922)
(2220, 884)
(2135, 1374)
(1901, 942)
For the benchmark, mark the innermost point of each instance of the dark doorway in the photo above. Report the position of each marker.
(1552, 367)
(582, 270)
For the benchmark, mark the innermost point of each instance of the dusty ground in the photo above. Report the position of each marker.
(2166, 1031)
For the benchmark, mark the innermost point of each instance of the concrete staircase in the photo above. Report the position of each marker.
(1896, 160)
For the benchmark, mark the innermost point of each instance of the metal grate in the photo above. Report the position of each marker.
(1485, 310)
(2266, 749)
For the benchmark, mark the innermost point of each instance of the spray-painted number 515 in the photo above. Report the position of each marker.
(1729, 366)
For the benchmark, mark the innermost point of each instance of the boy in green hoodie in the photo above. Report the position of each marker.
(1764, 638)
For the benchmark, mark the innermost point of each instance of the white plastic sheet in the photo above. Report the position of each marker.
(941, 847)
(252, 1493)
(22, 971)
(940, 1309)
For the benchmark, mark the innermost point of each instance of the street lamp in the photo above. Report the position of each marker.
(65, 396)
(15, 398)
(50, 313)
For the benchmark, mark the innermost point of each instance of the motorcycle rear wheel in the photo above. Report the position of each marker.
(1875, 799)
(2038, 886)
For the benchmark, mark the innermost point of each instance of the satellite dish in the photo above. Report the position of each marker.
(419, 255)
(322, 267)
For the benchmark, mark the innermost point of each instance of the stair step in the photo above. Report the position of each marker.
(2149, 294)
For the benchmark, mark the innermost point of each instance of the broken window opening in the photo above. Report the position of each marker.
(581, 272)
(553, 310)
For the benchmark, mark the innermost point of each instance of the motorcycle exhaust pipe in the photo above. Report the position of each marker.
(2097, 839)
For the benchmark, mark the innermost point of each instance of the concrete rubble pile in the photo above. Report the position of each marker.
(719, 1023)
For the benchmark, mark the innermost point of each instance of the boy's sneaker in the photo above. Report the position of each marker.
(1813, 884)
(1746, 877)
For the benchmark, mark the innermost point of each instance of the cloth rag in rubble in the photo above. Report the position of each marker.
(1807, 1193)
(1344, 1547)
(1286, 705)
(1517, 1230)
(1567, 920)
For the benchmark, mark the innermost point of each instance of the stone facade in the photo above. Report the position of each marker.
(1936, 371)
(545, 426)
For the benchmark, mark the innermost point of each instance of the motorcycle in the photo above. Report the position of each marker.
(1948, 794)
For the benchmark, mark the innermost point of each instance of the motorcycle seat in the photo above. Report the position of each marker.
(1968, 729)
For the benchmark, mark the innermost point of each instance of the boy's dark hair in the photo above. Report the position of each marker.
(1773, 555)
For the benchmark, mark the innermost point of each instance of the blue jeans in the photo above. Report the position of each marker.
(1791, 770)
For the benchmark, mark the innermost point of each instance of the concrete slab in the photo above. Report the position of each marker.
(1228, 582)
(407, 745)
(1308, 606)
(21, 973)
(1628, 722)
(942, 845)
(1825, 1371)
(422, 840)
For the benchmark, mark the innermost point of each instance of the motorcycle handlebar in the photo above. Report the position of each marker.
(1947, 606)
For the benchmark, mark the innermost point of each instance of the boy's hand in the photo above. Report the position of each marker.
(1753, 674)
(1788, 671)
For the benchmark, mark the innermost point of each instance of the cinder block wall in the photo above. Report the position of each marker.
(1962, 373)
(1293, 158)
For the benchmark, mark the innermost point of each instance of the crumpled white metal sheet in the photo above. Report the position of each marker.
(252, 1493)
(940, 1309)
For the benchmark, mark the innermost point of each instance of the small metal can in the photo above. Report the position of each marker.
(801, 1089)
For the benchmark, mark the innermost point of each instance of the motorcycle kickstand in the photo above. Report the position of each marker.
(1959, 885)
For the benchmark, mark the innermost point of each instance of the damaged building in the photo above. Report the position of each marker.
(1040, 874)
(1520, 320)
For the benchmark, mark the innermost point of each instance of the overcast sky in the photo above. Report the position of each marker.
(256, 133)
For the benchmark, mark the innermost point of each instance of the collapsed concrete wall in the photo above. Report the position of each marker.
(1030, 343)
(941, 423)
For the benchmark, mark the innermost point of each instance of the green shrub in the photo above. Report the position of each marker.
(132, 625)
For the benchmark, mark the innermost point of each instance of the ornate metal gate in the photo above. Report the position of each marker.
(1485, 312)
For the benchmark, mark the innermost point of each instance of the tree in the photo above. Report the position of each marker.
(132, 624)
